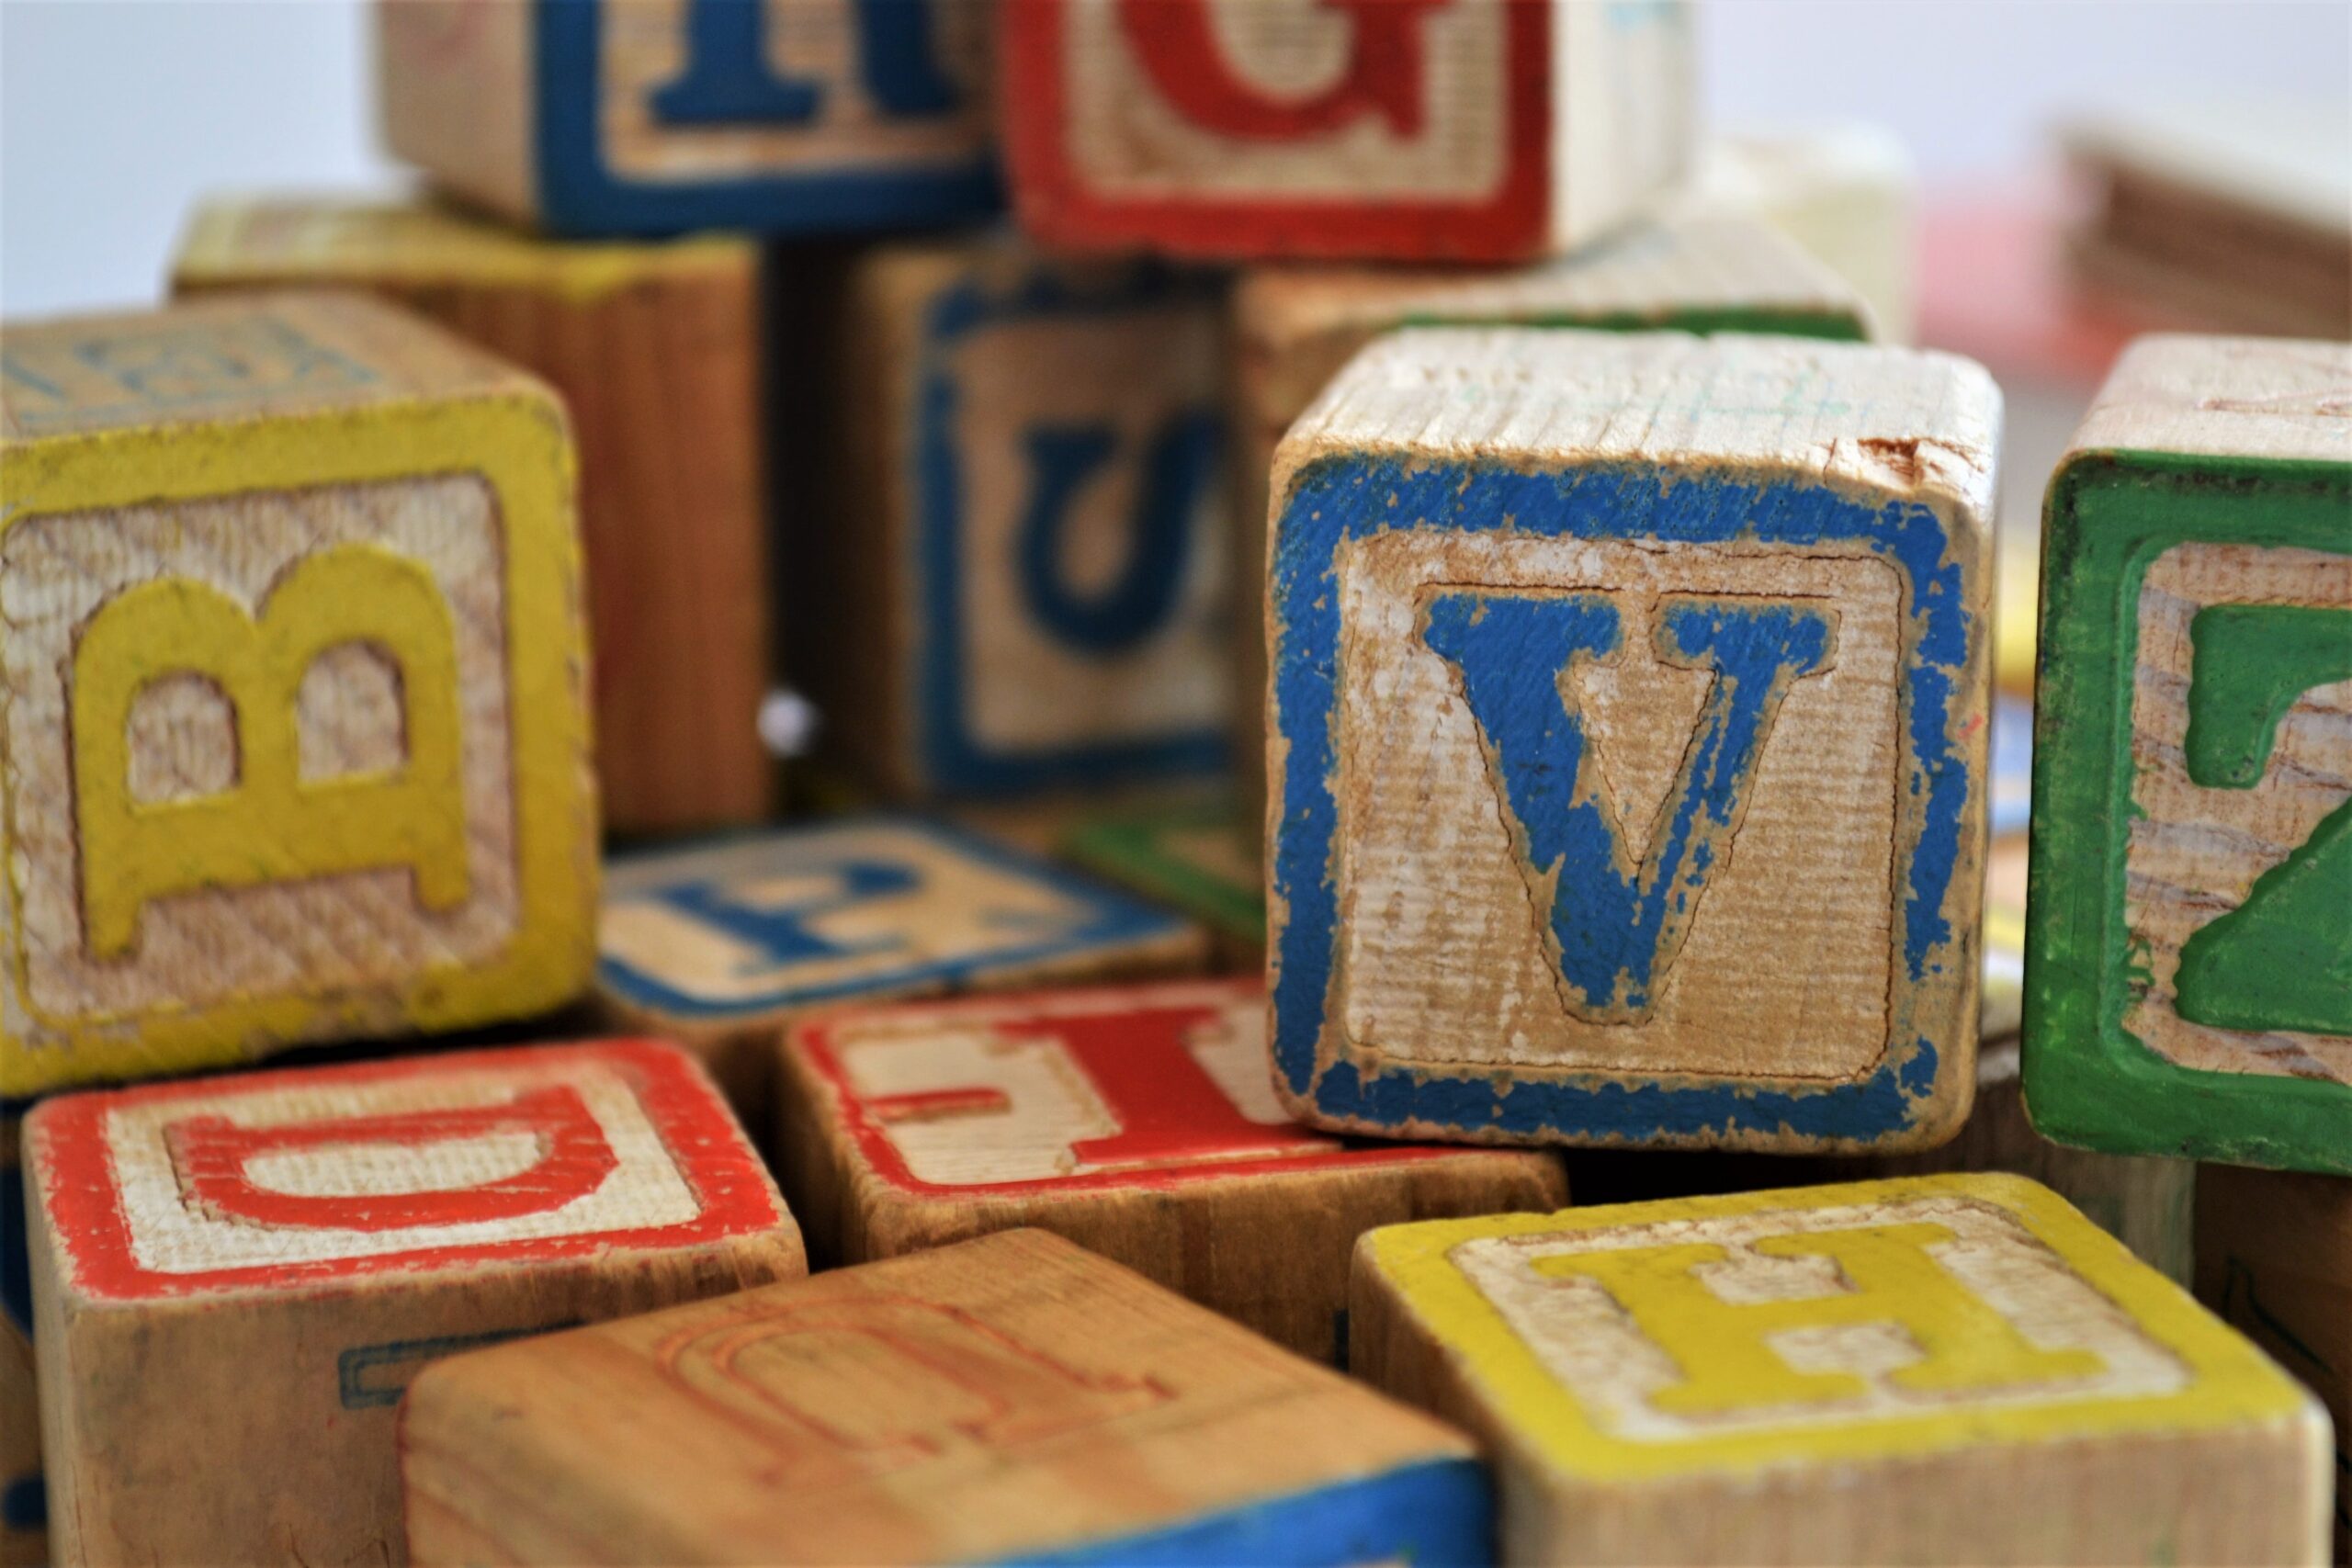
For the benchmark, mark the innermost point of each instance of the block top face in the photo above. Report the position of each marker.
(250, 357)
(1013, 1397)
(1847, 1322)
(760, 926)
(2250, 398)
(1686, 273)
(1145, 1086)
(319, 240)
(323, 1175)
(1523, 915)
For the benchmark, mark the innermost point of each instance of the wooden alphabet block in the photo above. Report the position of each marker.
(2274, 1255)
(1131, 1119)
(1026, 587)
(1950, 1369)
(1011, 1399)
(1427, 131)
(2188, 961)
(1629, 751)
(655, 349)
(235, 1277)
(293, 692)
(1294, 328)
(24, 1508)
(658, 117)
(723, 946)
(1199, 857)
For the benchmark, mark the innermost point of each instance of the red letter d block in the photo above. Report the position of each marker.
(1453, 129)
(235, 1277)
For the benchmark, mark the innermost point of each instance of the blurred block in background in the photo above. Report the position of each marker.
(294, 698)
(1682, 845)
(1012, 1399)
(2231, 218)
(657, 116)
(1295, 327)
(726, 945)
(1956, 1367)
(235, 1277)
(1023, 583)
(1400, 130)
(655, 349)
(1847, 192)
(1197, 856)
(2189, 986)
(1132, 1121)
(2274, 1255)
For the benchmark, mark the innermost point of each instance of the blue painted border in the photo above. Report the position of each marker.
(1118, 919)
(24, 1499)
(580, 196)
(1437, 1514)
(1335, 502)
(953, 757)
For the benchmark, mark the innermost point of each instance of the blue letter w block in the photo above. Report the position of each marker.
(1617, 920)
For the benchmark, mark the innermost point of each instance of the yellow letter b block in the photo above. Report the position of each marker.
(293, 688)
(1947, 1369)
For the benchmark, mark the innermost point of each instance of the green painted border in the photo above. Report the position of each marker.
(2087, 1080)
(1130, 848)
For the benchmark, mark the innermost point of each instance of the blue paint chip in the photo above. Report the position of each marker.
(24, 1505)
(1351, 498)
(1439, 1514)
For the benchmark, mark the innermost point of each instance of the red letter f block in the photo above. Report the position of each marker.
(1434, 129)
(1126, 1119)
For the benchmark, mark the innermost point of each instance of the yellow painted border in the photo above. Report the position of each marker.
(514, 439)
(2231, 1382)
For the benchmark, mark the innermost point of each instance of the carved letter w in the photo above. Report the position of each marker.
(1617, 921)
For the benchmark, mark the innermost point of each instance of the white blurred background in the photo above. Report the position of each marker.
(115, 114)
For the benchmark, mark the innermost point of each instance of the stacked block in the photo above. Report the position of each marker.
(293, 695)
(654, 350)
(1958, 1368)
(235, 1277)
(2189, 986)
(1132, 1121)
(1294, 328)
(723, 946)
(1432, 131)
(658, 117)
(1681, 844)
(1012, 1399)
(1033, 597)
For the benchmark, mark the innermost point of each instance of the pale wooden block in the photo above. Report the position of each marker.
(655, 349)
(24, 1537)
(1953, 1369)
(1199, 856)
(1845, 191)
(658, 117)
(723, 946)
(1025, 583)
(1013, 1398)
(1522, 579)
(1479, 131)
(294, 691)
(2189, 986)
(2274, 1255)
(1294, 328)
(1131, 1119)
(234, 1278)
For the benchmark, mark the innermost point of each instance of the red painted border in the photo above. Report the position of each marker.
(814, 1044)
(66, 1138)
(1057, 208)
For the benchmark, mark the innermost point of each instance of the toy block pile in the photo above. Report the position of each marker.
(944, 889)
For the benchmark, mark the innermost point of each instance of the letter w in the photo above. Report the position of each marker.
(1617, 923)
